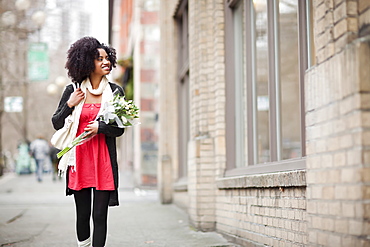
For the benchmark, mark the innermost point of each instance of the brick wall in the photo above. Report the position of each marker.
(202, 61)
(337, 23)
(337, 120)
(263, 209)
(337, 163)
(270, 216)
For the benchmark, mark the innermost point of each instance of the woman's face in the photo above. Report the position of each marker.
(102, 63)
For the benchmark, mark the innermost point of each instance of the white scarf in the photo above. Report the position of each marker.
(69, 159)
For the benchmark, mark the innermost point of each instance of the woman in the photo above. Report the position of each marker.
(91, 168)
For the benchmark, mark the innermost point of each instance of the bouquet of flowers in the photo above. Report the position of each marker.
(118, 111)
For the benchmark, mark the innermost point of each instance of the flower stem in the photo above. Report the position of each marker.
(74, 143)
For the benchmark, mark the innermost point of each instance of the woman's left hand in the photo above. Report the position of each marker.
(92, 128)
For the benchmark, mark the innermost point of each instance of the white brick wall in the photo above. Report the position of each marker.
(337, 94)
(263, 216)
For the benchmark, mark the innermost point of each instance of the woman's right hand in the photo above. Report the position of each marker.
(75, 98)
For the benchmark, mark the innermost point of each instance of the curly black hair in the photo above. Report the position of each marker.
(81, 56)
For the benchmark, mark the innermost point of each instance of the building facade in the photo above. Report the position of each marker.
(135, 33)
(264, 119)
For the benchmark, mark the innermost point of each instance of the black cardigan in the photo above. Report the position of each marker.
(110, 131)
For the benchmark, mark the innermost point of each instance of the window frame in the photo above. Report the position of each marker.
(276, 163)
(182, 22)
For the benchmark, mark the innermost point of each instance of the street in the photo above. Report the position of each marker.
(39, 214)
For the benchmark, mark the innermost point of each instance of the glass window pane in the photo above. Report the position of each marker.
(310, 35)
(289, 79)
(240, 85)
(262, 75)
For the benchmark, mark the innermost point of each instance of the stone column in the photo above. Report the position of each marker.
(168, 118)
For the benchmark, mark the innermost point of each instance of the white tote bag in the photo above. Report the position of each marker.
(62, 137)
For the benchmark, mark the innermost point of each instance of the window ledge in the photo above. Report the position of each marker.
(181, 185)
(278, 179)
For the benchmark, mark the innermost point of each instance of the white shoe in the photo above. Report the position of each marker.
(85, 243)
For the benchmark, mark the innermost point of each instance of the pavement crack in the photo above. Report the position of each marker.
(26, 239)
(16, 217)
(12, 243)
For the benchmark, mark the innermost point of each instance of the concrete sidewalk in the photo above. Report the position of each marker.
(38, 214)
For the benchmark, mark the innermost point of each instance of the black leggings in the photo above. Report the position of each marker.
(100, 215)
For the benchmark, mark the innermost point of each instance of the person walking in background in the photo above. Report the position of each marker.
(40, 151)
(91, 168)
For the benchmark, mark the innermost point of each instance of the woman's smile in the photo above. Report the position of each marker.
(102, 62)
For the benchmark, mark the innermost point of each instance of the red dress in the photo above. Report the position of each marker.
(93, 165)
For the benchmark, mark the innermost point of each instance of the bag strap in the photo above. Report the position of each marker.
(74, 86)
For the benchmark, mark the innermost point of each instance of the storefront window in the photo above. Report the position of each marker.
(267, 52)
(240, 86)
(289, 79)
(262, 72)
